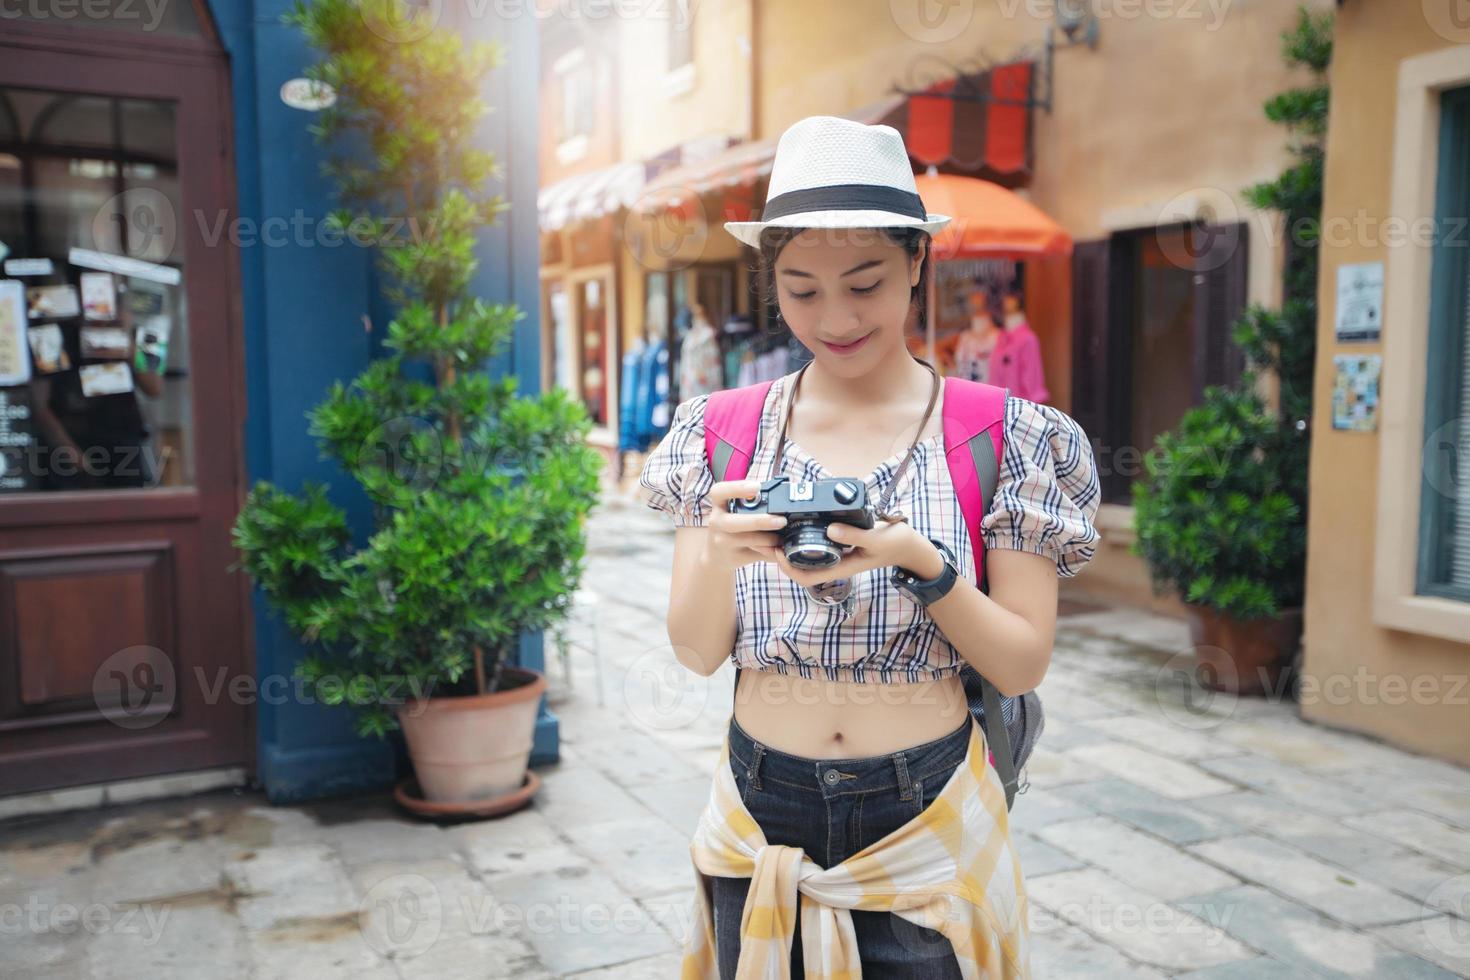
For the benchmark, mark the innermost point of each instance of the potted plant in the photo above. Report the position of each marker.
(479, 494)
(1221, 513)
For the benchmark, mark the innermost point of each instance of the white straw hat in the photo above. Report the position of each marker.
(831, 172)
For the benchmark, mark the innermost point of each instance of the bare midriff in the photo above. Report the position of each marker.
(823, 719)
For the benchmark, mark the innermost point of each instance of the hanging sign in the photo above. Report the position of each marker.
(308, 95)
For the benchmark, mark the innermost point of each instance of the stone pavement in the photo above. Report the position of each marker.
(1164, 834)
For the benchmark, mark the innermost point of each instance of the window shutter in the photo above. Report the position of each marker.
(1460, 537)
(1091, 390)
(1444, 534)
(1221, 267)
(1090, 334)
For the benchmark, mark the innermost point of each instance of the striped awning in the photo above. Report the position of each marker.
(590, 195)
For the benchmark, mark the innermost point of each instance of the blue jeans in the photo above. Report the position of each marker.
(831, 809)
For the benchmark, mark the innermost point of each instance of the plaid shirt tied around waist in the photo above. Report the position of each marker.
(953, 868)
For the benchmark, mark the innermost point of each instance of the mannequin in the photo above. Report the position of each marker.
(700, 371)
(973, 350)
(1016, 361)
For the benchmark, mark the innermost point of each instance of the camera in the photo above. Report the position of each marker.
(809, 506)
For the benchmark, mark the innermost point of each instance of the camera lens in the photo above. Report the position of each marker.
(807, 546)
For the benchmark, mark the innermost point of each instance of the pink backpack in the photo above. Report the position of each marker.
(974, 430)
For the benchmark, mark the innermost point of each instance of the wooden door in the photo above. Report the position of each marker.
(124, 636)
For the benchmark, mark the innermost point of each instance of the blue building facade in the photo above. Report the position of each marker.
(302, 308)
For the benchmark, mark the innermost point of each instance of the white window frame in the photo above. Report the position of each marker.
(1396, 605)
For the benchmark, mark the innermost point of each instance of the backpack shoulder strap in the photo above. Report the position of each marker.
(732, 423)
(974, 440)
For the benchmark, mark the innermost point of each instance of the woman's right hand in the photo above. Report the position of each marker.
(737, 540)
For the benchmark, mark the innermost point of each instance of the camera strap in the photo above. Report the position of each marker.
(883, 512)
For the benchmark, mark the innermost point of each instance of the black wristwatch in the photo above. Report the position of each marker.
(926, 591)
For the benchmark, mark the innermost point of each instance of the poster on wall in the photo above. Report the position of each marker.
(53, 302)
(99, 296)
(106, 378)
(15, 357)
(1355, 391)
(48, 350)
(17, 441)
(103, 343)
(1359, 301)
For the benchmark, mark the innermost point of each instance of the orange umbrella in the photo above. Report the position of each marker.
(989, 222)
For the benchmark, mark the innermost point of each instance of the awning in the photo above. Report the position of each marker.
(984, 130)
(589, 195)
(988, 221)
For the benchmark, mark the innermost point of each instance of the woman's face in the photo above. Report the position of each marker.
(845, 294)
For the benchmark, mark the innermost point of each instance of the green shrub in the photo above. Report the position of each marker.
(480, 495)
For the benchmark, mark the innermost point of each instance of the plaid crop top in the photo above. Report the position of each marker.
(1045, 503)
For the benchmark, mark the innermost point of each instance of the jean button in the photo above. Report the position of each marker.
(831, 776)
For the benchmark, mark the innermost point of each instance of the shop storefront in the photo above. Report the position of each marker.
(117, 316)
(170, 308)
(579, 338)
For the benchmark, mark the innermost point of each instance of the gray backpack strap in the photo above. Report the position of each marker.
(1000, 740)
(983, 452)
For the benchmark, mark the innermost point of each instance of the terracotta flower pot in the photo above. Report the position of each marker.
(1244, 656)
(474, 749)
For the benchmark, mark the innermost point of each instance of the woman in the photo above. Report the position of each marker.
(850, 716)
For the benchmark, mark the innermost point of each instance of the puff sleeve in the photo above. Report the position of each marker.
(1048, 494)
(676, 477)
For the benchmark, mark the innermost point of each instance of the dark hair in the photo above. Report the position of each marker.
(774, 239)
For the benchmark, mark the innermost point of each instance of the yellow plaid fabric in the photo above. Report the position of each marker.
(952, 868)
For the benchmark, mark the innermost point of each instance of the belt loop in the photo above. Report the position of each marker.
(905, 787)
(753, 772)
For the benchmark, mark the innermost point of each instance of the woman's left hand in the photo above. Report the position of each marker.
(885, 543)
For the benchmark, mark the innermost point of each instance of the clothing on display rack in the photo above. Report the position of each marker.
(972, 353)
(1016, 361)
(627, 401)
(644, 402)
(761, 357)
(700, 368)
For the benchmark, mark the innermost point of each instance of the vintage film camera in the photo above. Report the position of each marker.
(809, 506)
